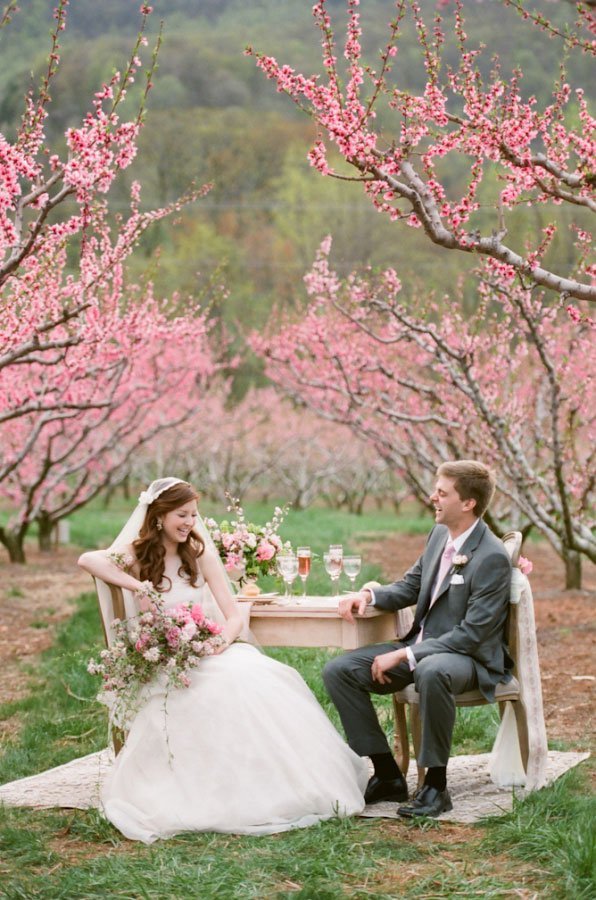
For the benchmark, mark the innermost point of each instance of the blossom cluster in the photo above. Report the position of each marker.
(542, 155)
(160, 641)
(244, 546)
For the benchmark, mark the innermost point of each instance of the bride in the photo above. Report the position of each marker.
(246, 748)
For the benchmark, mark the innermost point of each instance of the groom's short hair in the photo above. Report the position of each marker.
(472, 480)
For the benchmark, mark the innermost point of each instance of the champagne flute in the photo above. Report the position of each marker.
(333, 565)
(304, 559)
(352, 566)
(287, 565)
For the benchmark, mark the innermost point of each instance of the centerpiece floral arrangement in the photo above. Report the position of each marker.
(169, 642)
(245, 548)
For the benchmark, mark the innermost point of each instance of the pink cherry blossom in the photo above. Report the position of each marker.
(265, 550)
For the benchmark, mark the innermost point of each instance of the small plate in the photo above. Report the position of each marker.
(260, 598)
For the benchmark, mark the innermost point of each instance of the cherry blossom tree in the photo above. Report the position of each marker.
(90, 367)
(225, 448)
(58, 259)
(266, 446)
(148, 379)
(321, 460)
(541, 156)
(513, 385)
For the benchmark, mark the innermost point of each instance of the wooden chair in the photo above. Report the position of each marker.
(111, 606)
(523, 691)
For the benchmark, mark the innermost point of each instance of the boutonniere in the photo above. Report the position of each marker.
(459, 561)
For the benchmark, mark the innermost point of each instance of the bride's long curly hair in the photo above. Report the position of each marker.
(149, 549)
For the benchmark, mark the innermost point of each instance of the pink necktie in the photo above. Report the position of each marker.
(446, 560)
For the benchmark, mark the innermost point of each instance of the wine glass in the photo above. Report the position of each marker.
(304, 559)
(333, 565)
(352, 566)
(287, 566)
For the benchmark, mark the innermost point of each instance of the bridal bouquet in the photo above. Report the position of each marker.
(160, 641)
(246, 547)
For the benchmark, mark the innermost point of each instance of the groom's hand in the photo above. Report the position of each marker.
(385, 661)
(358, 601)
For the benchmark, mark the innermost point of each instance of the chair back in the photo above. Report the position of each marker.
(112, 605)
(512, 541)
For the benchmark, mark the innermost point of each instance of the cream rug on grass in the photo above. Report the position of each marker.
(473, 794)
(76, 785)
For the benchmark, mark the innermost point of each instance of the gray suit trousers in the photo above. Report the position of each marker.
(437, 678)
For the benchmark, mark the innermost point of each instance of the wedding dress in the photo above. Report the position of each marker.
(245, 749)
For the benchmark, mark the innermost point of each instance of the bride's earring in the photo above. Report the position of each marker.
(159, 526)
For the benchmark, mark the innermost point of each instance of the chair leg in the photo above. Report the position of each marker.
(521, 720)
(401, 741)
(416, 730)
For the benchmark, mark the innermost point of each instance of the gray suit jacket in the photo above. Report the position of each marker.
(466, 618)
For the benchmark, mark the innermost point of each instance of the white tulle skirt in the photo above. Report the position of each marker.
(245, 749)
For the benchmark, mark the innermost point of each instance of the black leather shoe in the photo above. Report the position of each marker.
(428, 802)
(378, 790)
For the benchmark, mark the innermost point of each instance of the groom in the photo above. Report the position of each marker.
(460, 586)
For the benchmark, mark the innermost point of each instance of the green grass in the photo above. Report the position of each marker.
(553, 828)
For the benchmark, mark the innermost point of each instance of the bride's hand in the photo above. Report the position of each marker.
(219, 647)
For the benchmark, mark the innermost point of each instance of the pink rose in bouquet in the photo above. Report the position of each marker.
(265, 550)
(198, 616)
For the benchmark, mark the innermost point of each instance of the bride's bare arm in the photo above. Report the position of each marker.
(99, 564)
(212, 572)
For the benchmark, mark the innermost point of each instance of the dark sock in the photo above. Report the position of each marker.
(385, 766)
(436, 777)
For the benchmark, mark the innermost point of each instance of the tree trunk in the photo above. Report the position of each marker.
(14, 541)
(45, 528)
(573, 570)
